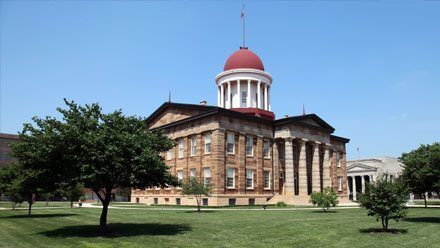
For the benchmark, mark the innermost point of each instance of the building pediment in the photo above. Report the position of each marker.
(358, 167)
(171, 112)
(310, 120)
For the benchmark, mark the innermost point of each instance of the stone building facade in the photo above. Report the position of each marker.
(239, 147)
(5, 148)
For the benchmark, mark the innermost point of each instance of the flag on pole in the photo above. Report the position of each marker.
(242, 12)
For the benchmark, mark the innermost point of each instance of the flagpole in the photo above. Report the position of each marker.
(244, 31)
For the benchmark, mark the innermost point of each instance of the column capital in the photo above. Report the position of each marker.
(288, 139)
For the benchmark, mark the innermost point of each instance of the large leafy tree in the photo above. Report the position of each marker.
(385, 199)
(198, 189)
(101, 151)
(422, 169)
(72, 192)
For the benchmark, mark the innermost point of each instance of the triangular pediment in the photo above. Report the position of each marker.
(172, 112)
(360, 167)
(309, 120)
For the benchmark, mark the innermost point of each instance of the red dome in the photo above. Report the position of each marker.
(244, 58)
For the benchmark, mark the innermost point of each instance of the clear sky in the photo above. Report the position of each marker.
(370, 69)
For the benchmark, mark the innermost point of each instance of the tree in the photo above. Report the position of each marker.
(325, 199)
(385, 199)
(72, 192)
(101, 151)
(21, 184)
(8, 186)
(198, 189)
(422, 169)
(124, 192)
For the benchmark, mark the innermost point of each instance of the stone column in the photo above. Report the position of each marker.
(249, 102)
(302, 168)
(265, 98)
(218, 97)
(276, 170)
(354, 188)
(229, 95)
(326, 181)
(268, 98)
(239, 94)
(222, 96)
(348, 186)
(316, 185)
(363, 183)
(289, 185)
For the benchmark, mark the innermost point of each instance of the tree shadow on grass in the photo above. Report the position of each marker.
(424, 219)
(24, 216)
(118, 230)
(201, 212)
(327, 212)
(380, 230)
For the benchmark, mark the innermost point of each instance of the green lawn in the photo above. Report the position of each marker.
(430, 202)
(241, 228)
(7, 204)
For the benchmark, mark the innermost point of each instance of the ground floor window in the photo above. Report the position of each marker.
(137, 200)
(267, 179)
(251, 201)
(177, 201)
(156, 201)
(205, 201)
(230, 178)
(232, 201)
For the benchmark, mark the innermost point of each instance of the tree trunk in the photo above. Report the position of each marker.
(424, 197)
(384, 228)
(71, 204)
(30, 207)
(13, 205)
(103, 220)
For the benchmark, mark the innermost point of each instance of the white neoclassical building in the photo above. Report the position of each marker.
(361, 172)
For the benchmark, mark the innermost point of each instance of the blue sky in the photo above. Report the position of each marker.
(370, 69)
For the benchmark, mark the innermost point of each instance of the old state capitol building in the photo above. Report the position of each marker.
(242, 150)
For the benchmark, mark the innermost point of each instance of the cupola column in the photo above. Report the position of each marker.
(258, 95)
(222, 96)
(248, 102)
(265, 98)
(229, 95)
(238, 94)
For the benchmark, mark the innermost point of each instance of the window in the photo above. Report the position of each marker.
(249, 179)
(180, 148)
(231, 143)
(267, 179)
(207, 176)
(170, 154)
(338, 159)
(339, 183)
(251, 201)
(156, 201)
(180, 176)
(249, 146)
(266, 147)
(193, 145)
(207, 143)
(205, 201)
(177, 201)
(230, 178)
(231, 201)
(243, 99)
(192, 173)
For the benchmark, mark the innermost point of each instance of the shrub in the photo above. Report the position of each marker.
(281, 204)
(325, 199)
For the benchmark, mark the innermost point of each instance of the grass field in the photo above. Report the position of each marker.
(237, 228)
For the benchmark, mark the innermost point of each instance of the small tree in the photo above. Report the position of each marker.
(72, 192)
(385, 199)
(124, 192)
(9, 187)
(325, 199)
(422, 169)
(197, 189)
